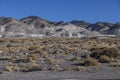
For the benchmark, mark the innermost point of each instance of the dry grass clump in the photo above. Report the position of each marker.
(90, 62)
(16, 69)
(104, 59)
(67, 69)
(80, 68)
(1, 72)
(4, 58)
(28, 59)
(13, 58)
(115, 64)
(110, 52)
(9, 68)
(74, 59)
(12, 69)
(43, 53)
(32, 56)
(53, 61)
(25, 58)
(23, 49)
(2, 40)
(9, 45)
(67, 52)
(32, 67)
(34, 47)
(55, 67)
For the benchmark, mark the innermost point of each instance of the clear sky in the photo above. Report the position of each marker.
(66, 10)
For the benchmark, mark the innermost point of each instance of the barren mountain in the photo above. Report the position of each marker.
(34, 26)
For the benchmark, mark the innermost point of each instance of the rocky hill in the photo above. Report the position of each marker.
(34, 26)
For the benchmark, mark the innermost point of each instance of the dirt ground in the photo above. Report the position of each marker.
(96, 73)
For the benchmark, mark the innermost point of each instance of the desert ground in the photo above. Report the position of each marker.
(59, 59)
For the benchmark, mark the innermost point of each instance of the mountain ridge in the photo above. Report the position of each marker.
(34, 26)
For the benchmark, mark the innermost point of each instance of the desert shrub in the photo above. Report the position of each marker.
(16, 69)
(90, 62)
(9, 45)
(110, 52)
(1, 72)
(32, 56)
(95, 52)
(80, 68)
(104, 59)
(9, 68)
(43, 53)
(12, 40)
(26, 59)
(74, 59)
(54, 67)
(4, 58)
(23, 60)
(32, 67)
(53, 61)
(67, 52)
(12, 58)
(57, 66)
(55, 51)
(2, 40)
(23, 49)
(12, 68)
(66, 69)
(115, 64)
(29, 59)
(34, 47)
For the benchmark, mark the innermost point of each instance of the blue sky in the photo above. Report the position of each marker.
(66, 10)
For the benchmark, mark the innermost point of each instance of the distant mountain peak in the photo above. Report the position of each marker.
(34, 18)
